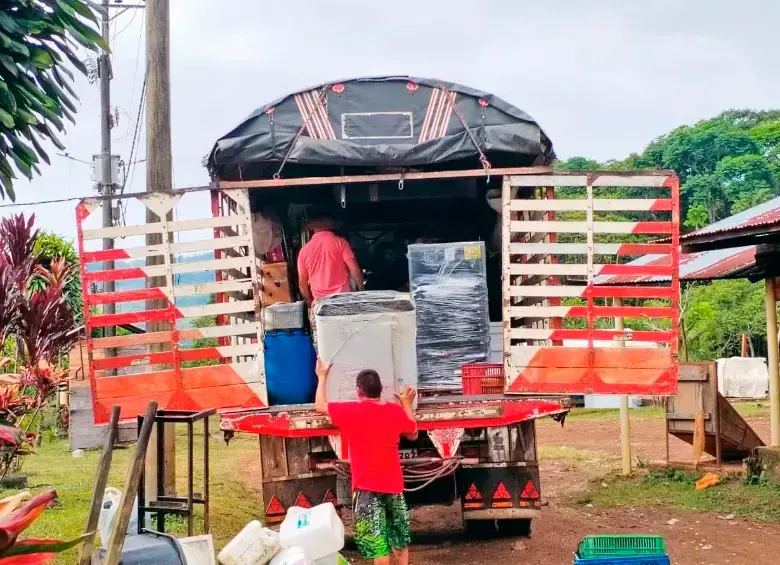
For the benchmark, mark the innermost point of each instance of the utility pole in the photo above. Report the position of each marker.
(159, 178)
(107, 182)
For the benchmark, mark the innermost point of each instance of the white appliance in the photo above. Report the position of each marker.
(367, 330)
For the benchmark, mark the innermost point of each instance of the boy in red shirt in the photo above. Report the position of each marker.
(372, 429)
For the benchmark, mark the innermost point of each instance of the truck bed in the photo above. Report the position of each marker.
(449, 411)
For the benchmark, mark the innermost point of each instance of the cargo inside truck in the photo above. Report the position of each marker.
(398, 125)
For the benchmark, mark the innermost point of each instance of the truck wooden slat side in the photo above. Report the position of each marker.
(562, 252)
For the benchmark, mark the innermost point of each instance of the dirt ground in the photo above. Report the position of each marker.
(696, 539)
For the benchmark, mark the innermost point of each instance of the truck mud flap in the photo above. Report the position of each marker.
(499, 491)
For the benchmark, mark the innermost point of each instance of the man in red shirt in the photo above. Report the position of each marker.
(372, 429)
(325, 265)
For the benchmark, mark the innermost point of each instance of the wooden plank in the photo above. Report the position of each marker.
(685, 416)
(232, 285)
(217, 309)
(522, 226)
(582, 248)
(130, 340)
(151, 250)
(213, 265)
(98, 490)
(543, 334)
(651, 179)
(599, 204)
(159, 227)
(272, 457)
(132, 480)
(547, 290)
(228, 330)
(548, 269)
(410, 176)
(298, 456)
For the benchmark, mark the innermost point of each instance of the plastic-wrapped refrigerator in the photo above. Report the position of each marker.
(449, 287)
(367, 330)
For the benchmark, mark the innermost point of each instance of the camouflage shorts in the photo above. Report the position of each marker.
(381, 523)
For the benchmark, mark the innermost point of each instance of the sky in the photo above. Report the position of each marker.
(602, 78)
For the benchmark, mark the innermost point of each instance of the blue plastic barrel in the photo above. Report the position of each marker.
(289, 367)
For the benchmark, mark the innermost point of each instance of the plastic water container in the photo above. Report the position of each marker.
(284, 316)
(289, 367)
(107, 517)
(254, 545)
(292, 556)
(318, 531)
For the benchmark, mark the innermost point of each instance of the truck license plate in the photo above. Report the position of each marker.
(408, 454)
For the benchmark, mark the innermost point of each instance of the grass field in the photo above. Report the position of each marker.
(232, 504)
(675, 488)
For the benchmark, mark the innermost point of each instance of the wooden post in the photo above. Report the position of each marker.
(101, 480)
(159, 178)
(132, 478)
(625, 420)
(772, 361)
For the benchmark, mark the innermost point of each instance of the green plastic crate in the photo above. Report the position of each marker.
(620, 545)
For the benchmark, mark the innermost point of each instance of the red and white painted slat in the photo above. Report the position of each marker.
(228, 385)
(438, 114)
(535, 261)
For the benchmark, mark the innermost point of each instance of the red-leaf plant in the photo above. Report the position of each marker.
(14, 520)
(33, 308)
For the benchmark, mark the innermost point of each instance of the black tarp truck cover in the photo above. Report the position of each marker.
(381, 122)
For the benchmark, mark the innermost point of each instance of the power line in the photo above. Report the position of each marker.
(54, 201)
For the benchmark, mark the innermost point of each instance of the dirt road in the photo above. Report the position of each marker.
(695, 539)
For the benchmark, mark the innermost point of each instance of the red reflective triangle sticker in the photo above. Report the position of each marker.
(501, 493)
(302, 501)
(274, 507)
(473, 493)
(330, 497)
(529, 491)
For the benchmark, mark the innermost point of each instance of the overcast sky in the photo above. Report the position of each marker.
(603, 78)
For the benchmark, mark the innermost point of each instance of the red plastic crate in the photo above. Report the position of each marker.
(483, 378)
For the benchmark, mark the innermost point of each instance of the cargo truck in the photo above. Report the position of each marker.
(406, 160)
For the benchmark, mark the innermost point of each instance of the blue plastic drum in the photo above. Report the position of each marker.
(289, 367)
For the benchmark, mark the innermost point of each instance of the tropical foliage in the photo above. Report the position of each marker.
(726, 164)
(36, 315)
(37, 39)
(17, 513)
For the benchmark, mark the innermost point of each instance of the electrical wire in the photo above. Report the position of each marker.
(39, 202)
(419, 473)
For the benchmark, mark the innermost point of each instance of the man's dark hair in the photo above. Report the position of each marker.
(368, 383)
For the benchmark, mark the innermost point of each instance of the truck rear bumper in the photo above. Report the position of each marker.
(502, 514)
(443, 412)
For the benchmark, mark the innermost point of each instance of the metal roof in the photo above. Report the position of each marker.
(705, 265)
(765, 214)
(716, 264)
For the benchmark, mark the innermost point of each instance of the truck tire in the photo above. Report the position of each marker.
(520, 527)
(480, 529)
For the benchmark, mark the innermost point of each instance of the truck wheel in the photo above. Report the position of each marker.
(516, 528)
(479, 529)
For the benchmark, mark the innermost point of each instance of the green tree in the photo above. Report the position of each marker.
(51, 246)
(35, 78)
(719, 313)
(203, 322)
